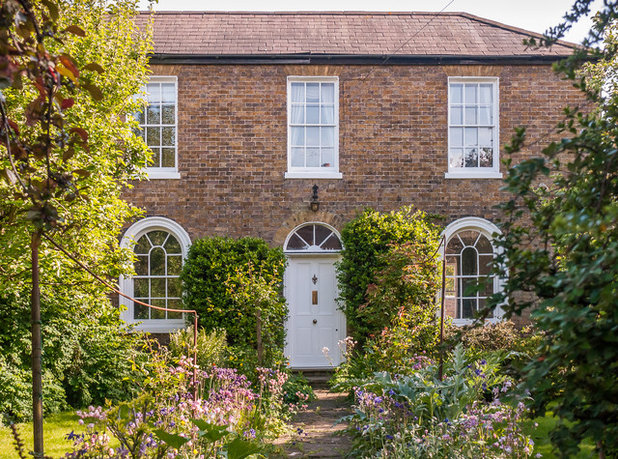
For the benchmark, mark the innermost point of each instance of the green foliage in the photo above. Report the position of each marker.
(76, 169)
(297, 390)
(561, 253)
(366, 239)
(211, 346)
(228, 280)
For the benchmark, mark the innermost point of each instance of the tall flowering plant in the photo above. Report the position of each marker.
(168, 420)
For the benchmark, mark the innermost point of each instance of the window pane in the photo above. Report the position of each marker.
(298, 136)
(321, 233)
(168, 93)
(140, 117)
(154, 92)
(157, 237)
(457, 115)
(470, 93)
(328, 115)
(156, 313)
(141, 265)
(172, 245)
(469, 286)
(313, 157)
(298, 114)
(485, 136)
(155, 161)
(140, 288)
(471, 137)
(306, 233)
(298, 92)
(332, 243)
(313, 114)
(298, 157)
(173, 287)
(153, 136)
(168, 157)
(313, 136)
(174, 265)
(487, 157)
(157, 262)
(143, 246)
(470, 115)
(328, 93)
(468, 308)
(471, 158)
(328, 136)
(295, 243)
(157, 288)
(456, 137)
(485, 262)
(468, 262)
(483, 245)
(168, 136)
(328, 157)
(469, 237)
(456, 157)
(174, 304)
(168, 114)
(486, 116)
(153, 114)
(313, 92)
(486, 94)
(140, 312)
(456, 93)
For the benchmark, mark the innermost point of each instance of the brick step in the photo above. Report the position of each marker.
(318, 379)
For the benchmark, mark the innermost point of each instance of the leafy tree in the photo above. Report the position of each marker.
(561, 248)
(68, 73)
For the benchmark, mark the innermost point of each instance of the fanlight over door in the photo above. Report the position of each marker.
(313, 238)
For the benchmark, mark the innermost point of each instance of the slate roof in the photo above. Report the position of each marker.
(339, 33)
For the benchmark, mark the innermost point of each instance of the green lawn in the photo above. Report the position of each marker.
(55, 427)
(540, 436)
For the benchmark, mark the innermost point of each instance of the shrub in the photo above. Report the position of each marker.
(365, 239)
(211, 346)
(218, 274)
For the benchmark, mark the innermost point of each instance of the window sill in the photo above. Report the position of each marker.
(167, 326)
(473, 175)
(313, 175)
(464, 322)
(154, 174)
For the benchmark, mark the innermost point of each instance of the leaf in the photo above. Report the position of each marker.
(82, 172)
(239, 449)
(80, 132)
(69, 63)
(62, 70)
(13, 126)
(52, 8)
(93, 66)
(8, 175)
(212, 432)
(173, 440)
(67, 103)
(75, 30)
(94, 91)
(68, 153)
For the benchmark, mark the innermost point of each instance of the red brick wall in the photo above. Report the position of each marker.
(392, 145)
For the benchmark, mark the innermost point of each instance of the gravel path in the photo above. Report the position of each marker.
(315, 429)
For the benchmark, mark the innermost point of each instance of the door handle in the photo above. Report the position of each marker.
(315, 321)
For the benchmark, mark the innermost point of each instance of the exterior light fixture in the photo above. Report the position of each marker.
(314, 205)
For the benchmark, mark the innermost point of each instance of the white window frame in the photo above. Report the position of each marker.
(166, 172)
(128, 241)
(476, 172)
(488, 229)
(313, 172)
(312, 249)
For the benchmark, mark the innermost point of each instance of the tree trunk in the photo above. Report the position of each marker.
(37, 383)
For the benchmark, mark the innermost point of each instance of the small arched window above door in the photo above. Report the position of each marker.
(313, 238)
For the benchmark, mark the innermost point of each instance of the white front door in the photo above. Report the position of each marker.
(314, 322)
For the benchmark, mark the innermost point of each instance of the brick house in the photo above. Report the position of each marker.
(248, 111)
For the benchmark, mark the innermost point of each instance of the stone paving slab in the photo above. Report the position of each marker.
(315, 434)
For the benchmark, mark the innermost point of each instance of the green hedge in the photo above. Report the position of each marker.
(365, 238)
(225, 280)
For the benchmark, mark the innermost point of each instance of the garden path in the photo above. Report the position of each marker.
(315, 433)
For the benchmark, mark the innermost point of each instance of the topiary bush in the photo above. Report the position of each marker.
(228, 280)
(367, 239)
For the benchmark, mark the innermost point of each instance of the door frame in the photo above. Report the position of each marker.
(341, 320)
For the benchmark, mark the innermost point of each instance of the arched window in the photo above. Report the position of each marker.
(313, 238)
(160, 246)
(469, 255)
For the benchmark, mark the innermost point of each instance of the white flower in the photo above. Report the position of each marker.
(325, 351)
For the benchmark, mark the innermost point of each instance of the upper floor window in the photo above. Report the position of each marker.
(469, 257)
(473, 137)
(160, 246)
(158, 126)
(313, 127)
